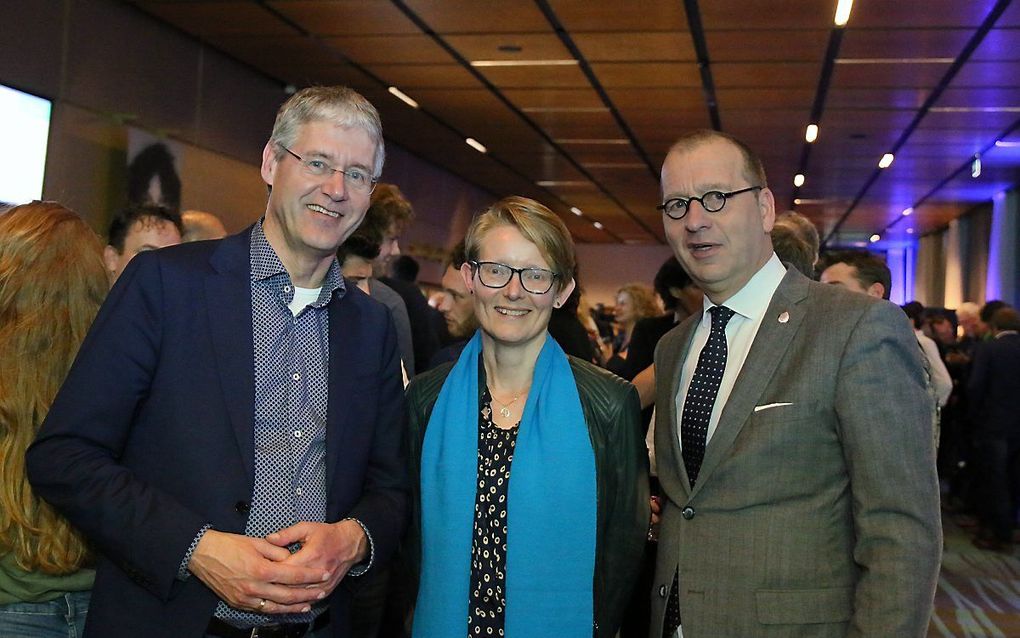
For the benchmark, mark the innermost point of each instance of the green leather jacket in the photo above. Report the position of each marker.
(612, 412)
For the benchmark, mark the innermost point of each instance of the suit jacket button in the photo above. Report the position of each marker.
(242, 507)
(662, 591)
(687, 513)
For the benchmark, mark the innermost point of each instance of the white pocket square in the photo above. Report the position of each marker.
(759, 408)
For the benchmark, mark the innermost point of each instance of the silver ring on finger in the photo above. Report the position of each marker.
(262, 604)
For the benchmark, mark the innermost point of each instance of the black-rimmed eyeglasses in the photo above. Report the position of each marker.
(356, 179)
(712, 202)
(493, 274)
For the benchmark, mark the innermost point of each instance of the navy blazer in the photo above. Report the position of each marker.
(152, 434)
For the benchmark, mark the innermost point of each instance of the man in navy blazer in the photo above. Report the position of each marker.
(230, 435)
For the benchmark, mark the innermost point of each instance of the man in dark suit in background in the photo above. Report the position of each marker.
(793, 435)
(993, 389)
(230, 435)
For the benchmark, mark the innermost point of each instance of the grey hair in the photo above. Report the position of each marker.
(338, 104)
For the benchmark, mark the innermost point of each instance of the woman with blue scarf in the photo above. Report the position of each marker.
(531, 505)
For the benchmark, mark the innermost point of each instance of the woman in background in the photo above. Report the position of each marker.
(52, 282)
(531, 509)
(634, 302)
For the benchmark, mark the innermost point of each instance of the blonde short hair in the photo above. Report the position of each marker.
(537, 224)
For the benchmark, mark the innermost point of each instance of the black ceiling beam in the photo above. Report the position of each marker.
(582, 62)
(704, 63)
(972, 44)
(818, 107)
(439, 40)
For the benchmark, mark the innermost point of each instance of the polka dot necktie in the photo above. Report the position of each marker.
(702, 392)
(694, 427)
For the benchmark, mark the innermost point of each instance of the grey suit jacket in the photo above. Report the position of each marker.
(819, 518)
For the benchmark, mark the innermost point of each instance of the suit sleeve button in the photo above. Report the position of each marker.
(687, 513)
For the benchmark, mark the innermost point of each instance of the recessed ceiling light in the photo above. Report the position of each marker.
(1007, 144)
(811, 134)
(798, 180)
(843, 12)
(491, 63)
(475, 144)
(908, 211)
(798, 201)
(597, 225)
(975, 167)
(886, 160)
(575, 210)
(875, 238)
(403, 97)
(910, 231)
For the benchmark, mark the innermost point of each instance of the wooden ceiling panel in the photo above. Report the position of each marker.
(864, 119)
(987, 74)
(575, 125)
(766, 16)
(532, 46)
(636, 99)
(344, 17)
(522, 77)
(779, 121)
(221, 18)
(795, 75)
(991, 122)
(876, 97)
(999, 44)
(731, 45)
(552, 98)
(391, 49)
(934, 13)
(650, 15)
(902, 76)
(480, 16)
(1000, 97)
(658, 46)
(869, 44)
(425, 76)
(780, 98)
(295, 55)
(647, 74)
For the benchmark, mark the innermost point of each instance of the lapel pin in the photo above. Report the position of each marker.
(784, 317)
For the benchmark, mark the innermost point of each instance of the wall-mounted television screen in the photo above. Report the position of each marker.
(24, 129)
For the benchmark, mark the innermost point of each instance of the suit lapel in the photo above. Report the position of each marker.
(228, 301)
(684, 337)
(778, 327)
(344, 326)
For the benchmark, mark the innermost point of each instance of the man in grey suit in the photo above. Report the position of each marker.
(793, 433)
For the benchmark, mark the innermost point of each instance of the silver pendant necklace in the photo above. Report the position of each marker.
(504, 410)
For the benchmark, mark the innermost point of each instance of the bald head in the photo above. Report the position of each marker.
(200, 225)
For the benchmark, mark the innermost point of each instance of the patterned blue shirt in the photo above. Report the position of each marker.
(291, 389)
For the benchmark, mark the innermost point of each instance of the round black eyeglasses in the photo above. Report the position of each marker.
(712, 202)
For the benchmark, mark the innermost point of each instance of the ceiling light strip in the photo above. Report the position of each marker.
(968, 50)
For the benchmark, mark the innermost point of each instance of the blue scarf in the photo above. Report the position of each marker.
(551, 506)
